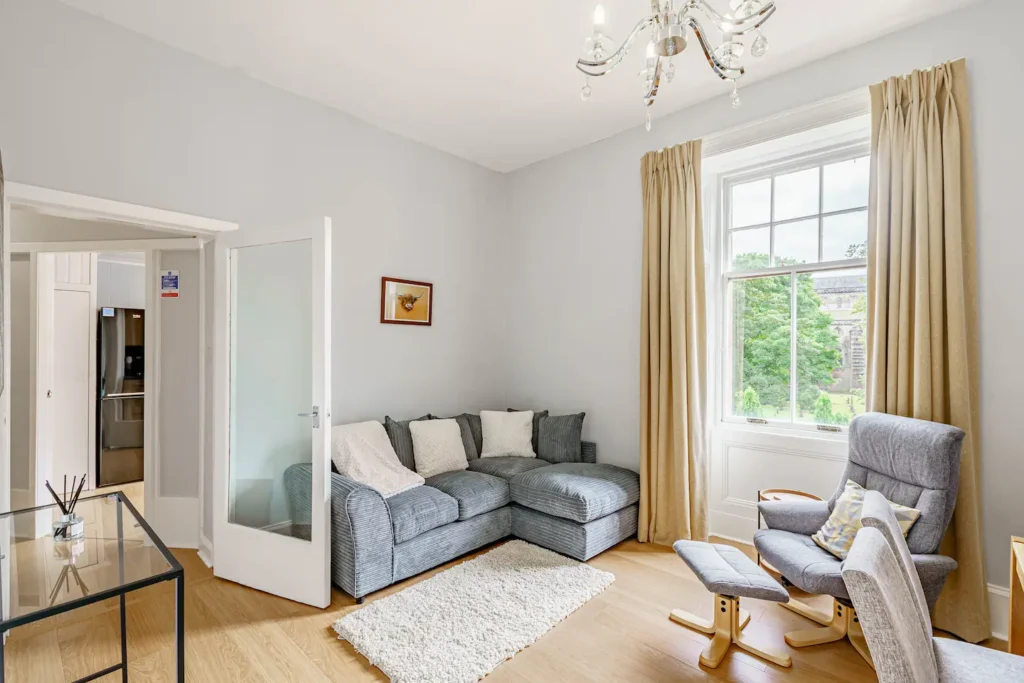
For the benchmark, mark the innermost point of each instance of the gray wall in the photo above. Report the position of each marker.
(575, 238)
(120, 285)
(92, 108)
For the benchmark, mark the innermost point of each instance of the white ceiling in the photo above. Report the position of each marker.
(492, 82)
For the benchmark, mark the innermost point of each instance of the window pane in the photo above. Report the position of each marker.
(845, 236)
(752, 203)
(831, 324)
(796, 243)
(846, 184)
(750, 249)
(796, 194)
(761, 347)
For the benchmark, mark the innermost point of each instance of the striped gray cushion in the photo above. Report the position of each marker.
(468, 442)
(506, 466)
(421, 509)
(450, 541)
(576, 491)
(537, 415)
(475, 492)
(561, 438)
(579, 541)
(588, 451)
(401, 439)
(477, 430)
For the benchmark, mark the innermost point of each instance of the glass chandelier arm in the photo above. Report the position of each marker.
(652, 93)
(600, 68)
(724, 72)
(737, 25)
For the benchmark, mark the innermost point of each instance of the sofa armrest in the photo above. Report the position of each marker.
(803, 517)
(933, 570)
(589, 452)
(362, 539)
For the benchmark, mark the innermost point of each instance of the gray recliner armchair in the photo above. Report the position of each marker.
(910, 462)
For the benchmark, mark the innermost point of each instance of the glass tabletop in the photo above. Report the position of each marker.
(44, 575)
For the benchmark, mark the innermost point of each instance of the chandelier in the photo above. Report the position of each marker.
(668, 25)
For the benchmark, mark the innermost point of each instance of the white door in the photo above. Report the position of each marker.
(273, 405)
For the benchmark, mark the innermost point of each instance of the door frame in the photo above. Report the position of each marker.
(185, 514)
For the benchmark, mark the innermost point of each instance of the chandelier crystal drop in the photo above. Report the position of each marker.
(670, 25)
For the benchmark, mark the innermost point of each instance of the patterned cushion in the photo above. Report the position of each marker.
(401, 439)
(476, 492)
(843, 524)
(537, 415)
(507, 466)
(561, 438)
(419, 510)
(577, 491)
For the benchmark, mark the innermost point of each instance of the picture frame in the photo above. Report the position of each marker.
(406, 302)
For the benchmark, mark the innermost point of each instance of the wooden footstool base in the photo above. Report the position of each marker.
(727, 630)
(724, 568)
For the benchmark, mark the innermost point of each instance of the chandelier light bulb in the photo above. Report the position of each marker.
(599, 17)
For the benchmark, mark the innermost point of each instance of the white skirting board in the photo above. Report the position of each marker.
(998, 596)
(205, 550)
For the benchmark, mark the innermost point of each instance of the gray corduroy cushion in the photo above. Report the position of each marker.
(725, 570)
(579, 541)
(577, 491)
(801, 561)
(560, 438)
(962, 662)
(477, 430)
(421, 509)
(475, 492)
(506, 466)
(401, 439)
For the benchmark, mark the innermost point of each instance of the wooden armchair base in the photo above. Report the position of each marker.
(843, 623)
(726, 630)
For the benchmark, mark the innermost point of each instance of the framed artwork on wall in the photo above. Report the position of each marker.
(406, 302)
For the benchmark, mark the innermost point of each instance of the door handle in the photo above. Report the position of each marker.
(315, 415)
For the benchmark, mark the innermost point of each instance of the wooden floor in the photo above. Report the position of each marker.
(237, 634)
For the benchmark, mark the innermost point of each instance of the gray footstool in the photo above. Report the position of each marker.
(730, 575)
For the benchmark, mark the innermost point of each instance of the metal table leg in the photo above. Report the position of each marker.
(179, 625)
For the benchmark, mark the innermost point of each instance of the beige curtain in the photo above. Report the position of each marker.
(673, 350)
(922, 303)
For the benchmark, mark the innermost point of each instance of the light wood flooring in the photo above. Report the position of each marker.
(237, 634)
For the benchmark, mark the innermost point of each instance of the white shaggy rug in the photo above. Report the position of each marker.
(458, 626)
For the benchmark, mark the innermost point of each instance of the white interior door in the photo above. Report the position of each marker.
(273, 402)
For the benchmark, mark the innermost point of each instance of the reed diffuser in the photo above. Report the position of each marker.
(69, 526)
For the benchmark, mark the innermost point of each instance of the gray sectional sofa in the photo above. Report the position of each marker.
(577, 509)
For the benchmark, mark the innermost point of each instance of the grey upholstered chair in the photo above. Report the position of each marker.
(910, 462)
(893, 614)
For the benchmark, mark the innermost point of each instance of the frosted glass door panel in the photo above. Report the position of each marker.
(271, 385)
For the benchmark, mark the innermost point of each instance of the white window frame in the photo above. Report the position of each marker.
(817, 158)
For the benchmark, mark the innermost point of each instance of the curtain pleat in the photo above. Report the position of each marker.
(922, 297)
(673, 334)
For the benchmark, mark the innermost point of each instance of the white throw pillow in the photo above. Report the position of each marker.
(507, 434)
(362, 452)
(437, 447)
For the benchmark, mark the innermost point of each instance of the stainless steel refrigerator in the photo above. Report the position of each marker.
(120, 395)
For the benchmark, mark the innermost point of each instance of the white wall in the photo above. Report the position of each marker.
(575, 245)
(120, 284)
(92, 108)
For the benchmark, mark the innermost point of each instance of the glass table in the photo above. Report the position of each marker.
(41, 576)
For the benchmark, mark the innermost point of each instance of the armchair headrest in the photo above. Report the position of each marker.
(917, 452)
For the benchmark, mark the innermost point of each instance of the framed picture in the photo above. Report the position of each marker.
(406, 302)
